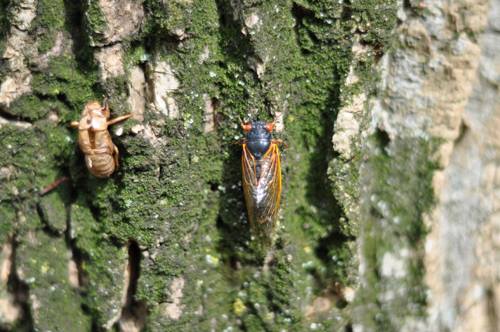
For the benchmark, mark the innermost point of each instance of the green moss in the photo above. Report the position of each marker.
(39, 155)
(315, 73)
(95, 22)
(399, 178)
(8, 215)
(48, 282)
(172, 17)
(52, 210)
(375, 20)
(103, 263)
(137, 55)
(31, 108)
(32, 159)
(64, 80)
(48, 23)
(4, 25)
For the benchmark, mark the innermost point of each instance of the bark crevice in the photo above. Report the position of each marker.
(134, 312)
(19, 290)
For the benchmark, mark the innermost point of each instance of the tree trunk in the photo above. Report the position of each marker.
(389, 111)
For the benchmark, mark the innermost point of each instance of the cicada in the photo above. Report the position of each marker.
(101, 155)
(261, 177)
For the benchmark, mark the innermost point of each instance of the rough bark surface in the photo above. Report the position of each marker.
(389, 110)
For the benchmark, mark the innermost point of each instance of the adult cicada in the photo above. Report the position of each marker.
(101, 154)
(261, 168)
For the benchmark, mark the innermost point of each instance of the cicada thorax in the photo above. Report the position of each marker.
(261, 169)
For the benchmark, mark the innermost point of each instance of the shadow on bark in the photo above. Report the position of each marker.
(21, 293)
(75, 24)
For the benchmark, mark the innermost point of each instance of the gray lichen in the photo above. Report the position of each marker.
(173, 214)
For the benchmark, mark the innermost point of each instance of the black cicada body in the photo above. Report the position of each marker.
(261, 168)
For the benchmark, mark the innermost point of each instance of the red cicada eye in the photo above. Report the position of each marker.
(246, 127)
(270, 126)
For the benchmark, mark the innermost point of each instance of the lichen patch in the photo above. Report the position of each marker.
(18, 81)
(123, 18)
(174, 309)
(209, 114)
(15, 123)
(110, 61)
(15, 86)
(9, 311)
(137, 99)
(347, 125)
(162, 85)
(252, 23)
(73, 272)
(5, 262)
(393, 266)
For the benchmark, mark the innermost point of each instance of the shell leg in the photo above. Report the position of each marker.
(118, 119)
(84, 142)
(116, 155)
(105, 108)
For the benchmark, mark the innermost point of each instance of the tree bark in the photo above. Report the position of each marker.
(388, 111)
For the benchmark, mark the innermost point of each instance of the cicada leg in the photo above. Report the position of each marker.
(240, 141)
(280, 142)
(116, 155)
(105, 108)
(119, 119)
(53, 185)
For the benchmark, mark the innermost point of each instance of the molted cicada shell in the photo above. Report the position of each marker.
(101, 155)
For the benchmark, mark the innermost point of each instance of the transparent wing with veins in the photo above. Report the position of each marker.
(262, 185)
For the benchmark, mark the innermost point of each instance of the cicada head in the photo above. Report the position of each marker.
(91, 107)
(258, 137)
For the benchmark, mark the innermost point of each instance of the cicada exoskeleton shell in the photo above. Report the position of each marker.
(94, 139)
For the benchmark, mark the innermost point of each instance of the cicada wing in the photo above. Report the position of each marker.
(249, 181)
(262, 186)
(269, 186)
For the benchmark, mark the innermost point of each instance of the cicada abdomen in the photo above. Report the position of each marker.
(261, 168)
